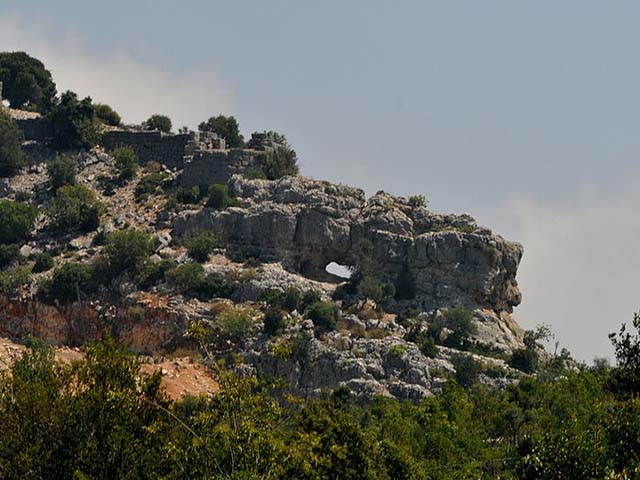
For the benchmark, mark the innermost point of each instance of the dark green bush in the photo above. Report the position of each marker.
(62, 171)
(279, 162)
(190, 279)
(11, 154)
(189, 196)
(219, 197)
(373, 289)
(417, 201)
(467, 369)
(524, 359)
(69, 283)
(72, 123)
(17, 221)
(150, 184)
(126, 161)
(9, 253)
(74, 208)
(225, 127)
(274, 321)
(158, 122)
(200, 244)
(128, 251)
(461, 323)
(324, 315)
(423, 340)
(107, 115)
(13, 279)
(290, 299)
(43, 263)
(27, 84)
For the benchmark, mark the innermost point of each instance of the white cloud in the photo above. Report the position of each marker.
(581, 268)
(135, 89)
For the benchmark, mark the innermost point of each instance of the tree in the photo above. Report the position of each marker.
(69, 283)
(126, 161)
(279, 162)
(226, 127)
(200, 244)
(74, 207)
(524, 359)
(62, 171)
(107, 115)
(128, 251)
(219, 197)
(460, 321)
(324, 315)
(27, 84)
(11, 154)
(627, 350)
(158, 122)
(72, 123)
(17, 221)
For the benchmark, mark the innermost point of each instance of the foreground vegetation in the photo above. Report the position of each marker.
(100, 418)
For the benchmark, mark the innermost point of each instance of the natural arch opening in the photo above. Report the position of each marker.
(341, 271)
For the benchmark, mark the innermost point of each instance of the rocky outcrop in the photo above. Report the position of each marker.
(306, 224)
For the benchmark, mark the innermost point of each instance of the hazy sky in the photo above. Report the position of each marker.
(524, 114)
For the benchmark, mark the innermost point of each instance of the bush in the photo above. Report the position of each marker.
(128, 251)
(279, 162)
(189, 196)
(62, 171)
(460, 321)
(74, 208)
(467, 369)
(290, 299)
(425, 343)
(417, 201)
(225, 127)
(43, 263)
(219, 197)
(126, 161)
(233, 326)
(274, 321)
(13, 279)
(69, 283)
(373, 289)
(324, 315)
(200, 244)
(158, 122)
(72, 123)
(11, 154)
(149, 184)
(17, 221)
(27, 84)
(190, 279)
(9, 254)
(525, 360)
(107, 115)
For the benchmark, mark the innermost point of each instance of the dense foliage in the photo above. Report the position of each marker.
(72, 123)
(101, 418)
(62, 171)
(17, 221)
(158, 122)
(107, 115)
(74, 208)
(126, 161)
(11, 154)
(27, 84)
(225, 127)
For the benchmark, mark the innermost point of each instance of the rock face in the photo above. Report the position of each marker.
(306, 224)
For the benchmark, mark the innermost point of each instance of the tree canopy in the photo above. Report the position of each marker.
(226, 127)
(27, 84)
(11, 155)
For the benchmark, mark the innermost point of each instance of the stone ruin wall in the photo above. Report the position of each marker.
(169, 150)
(217, 166)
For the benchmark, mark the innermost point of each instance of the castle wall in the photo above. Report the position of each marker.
(151, 146)
(217, 166)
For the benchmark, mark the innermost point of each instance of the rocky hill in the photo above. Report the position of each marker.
(431, 295)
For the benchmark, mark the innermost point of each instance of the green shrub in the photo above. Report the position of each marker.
(524, 359)
(373, 289)
(74, 208)
(417, 201)
(425, 343)
(43, 263)
(158, 122)
(126, 161)
(461, 323)
(233, 326)
(17, 221)
(200, 244)
(290, 299)
(150, 184)
(279, 162)
(190, 279)
(11, 154)
(72, 123)
(9, 253)
(13, 279)
(225, 127)
(219, 197)
(324, 315)
(27, 84)
(274, 321)
(467, 369)
(62, 171)
(69, 283)
(107, 115)
(128, 251)
(189, 196)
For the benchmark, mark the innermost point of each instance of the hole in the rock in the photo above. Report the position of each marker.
(338, 270)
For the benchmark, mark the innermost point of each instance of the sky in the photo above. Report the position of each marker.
(524, 114)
